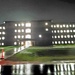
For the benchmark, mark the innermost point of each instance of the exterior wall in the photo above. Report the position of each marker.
(40, 33)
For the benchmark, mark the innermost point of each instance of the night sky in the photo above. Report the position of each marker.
(21, 10)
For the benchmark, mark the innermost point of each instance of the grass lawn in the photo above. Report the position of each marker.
(46, 54)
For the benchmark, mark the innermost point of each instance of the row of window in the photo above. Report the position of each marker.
(2, 38)
(63, 25)
(23, 24)
(28, 30)
(2, 27)
(3, 33)
(2, 44)
(63, 42)
(63, 31)
(64, 36)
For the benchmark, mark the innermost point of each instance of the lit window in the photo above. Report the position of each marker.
(67, 31)
(65, 36)
(46, 23)
(73, 25)
(19, 31)
(15, 30)
(15, 37)
(3, 38)
(68, 36)
(63, 25)
(52, 36)
(69, 42)
(46, 29)
(58, 42)
(72, 42)
(58, 31)
(65, 42)
(71, 36)
(22, 24)
(15, 43)
(22, 36)
(54, 31)
(0, 32)
(52, 26)
(0, 27)
(3, 27)
(70, 25)
(19, 36)
(55, 42)
(55, 36)
(4, 22)
(28, 30)
(64, 31)
(70, 30)
(28, 36)
(2, 44)
(19, 24)
(61, 36)
(40, 36)
(67, 26)
(52, 42)
(15, 25)
(22, 30)
(3, 33)
(62, 42)
(74, 35)
(73, 30)
(57, 25)
(22, 43)
(28, 24)
(58, 36)
(60, 26)
(61, 31)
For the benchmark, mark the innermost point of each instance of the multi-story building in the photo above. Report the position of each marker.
(40, 33)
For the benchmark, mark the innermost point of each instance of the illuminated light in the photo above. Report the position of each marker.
(28, 36)
(67, 26)
(2, 44)
(64, 31)
(4, 22)
(68, 36)
(55, 42)
(65, 36)
(52, 42)
(15, 30)
(15, 43)
(15, 25)
(73, 30)
(67, 31)
(54, 31)
(0, 32)
(70, 30)
(46, 23)
(3, 27)
(22, 43)
(59, 42)
(62, 42)
(0, 27)
(60, 26)
(28, 24)
(63, 25)
(52, 26)
(3, 38)
(22, 30)
(65, 42)
(15, 37)
(19, 24)
(52, 36)
(28, 30)
(61, 31)
(3, 33)
(19, 36)
(57, 25)
(74, 35)
(70, 25)
(58, 31)
(73, 25)
(22, 36)
(28, 43)
(55, 36)
(40, 36)
(19, 31)
(69, 42)
(58, 36)
(61, 36)
(46, 29)
(22, 24)
(71, 36)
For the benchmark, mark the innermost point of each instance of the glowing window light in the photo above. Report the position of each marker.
(72, 42)
(70, 30)
(62, 42)
(68, 36)
(57, 25)
(2, 44)
(52, 36)
(46, 29)
(65, 36)
(22, 36)
(60, 26)
(63, 25)
(3, 33)
(55, 42)
(22, 30)
(3, 27)
(55, 36)
(74, 35)
(28, 36)
(67, 26)
(65, 42)
(15, 43)
(22, 24)
(71, 36)
(15, 37)
(52, 26)
(59, 42)
(28, 30)
(28, 24)
(15, 30)
(46, 23)
(0, 33)
(61, 31)
(69, 42)
(64, 31)
(73, 30)
(19, 31)
(58, 31)
(61, 36)
(70, 25)
(15, 25)
(54, 31)
(19, 36)
(22, 43)
(52, 42)
(40, 36)
(19, 25)
(67, 31)
(0, 27)
(73, 25)
(3, 38)
(58, 36)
